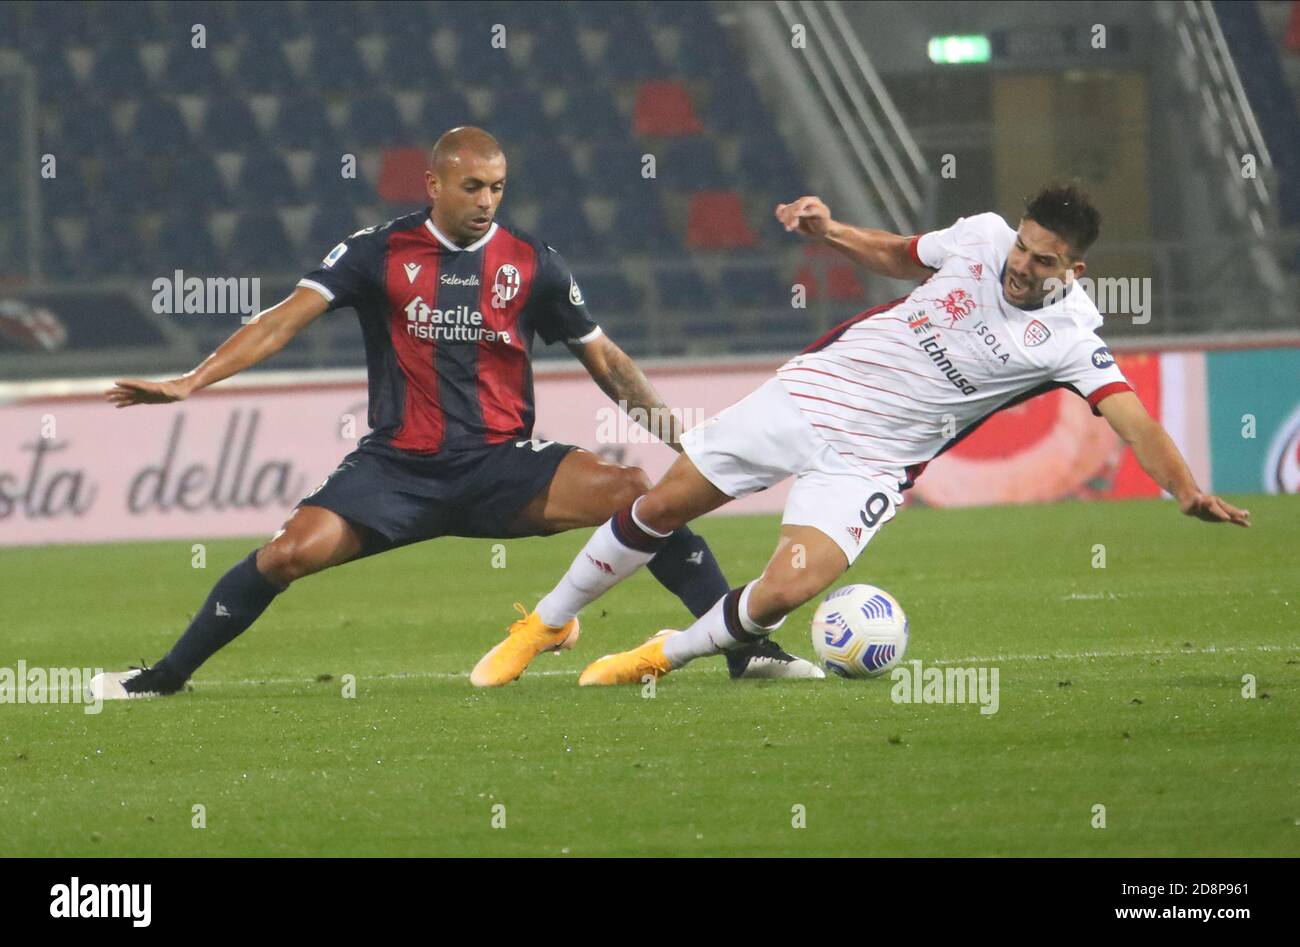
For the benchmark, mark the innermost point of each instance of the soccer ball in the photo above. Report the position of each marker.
(859, 631)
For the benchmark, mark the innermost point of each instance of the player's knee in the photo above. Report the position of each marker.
(283, 561)
(627, 485)
(657, 512)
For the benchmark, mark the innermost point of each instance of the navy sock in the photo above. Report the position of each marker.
(234, 603)
(685, 566)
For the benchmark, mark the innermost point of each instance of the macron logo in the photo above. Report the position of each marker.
(412, 271)
(221, 611)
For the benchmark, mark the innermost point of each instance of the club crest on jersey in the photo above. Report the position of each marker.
(958, 304)
(976, 270)
(1036, 333)
(505, 285)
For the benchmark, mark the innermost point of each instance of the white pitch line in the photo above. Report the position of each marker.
(972, 660)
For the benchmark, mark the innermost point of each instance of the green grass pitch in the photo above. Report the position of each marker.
(1119, 686)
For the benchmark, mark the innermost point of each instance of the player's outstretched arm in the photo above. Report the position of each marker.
(626, 385)
(268, 332)
(877, 250)
(1159, 457)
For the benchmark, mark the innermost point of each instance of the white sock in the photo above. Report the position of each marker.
(709, 634)
(603, 563)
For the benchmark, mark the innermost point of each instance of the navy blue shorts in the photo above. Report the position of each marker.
(406, 498)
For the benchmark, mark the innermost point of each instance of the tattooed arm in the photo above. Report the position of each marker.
(626, 385)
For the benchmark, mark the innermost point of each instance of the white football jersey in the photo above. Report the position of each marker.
(895, 386)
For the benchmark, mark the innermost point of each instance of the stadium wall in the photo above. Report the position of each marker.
(235, 460)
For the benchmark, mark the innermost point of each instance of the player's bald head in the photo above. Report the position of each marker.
(459, 145)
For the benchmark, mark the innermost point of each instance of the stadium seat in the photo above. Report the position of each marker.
(691, 164)
(110, 248)
(260, 245)
(159, 122)
(194, 182)
(304, 122)
(327, 183)
(86, 128)
(603, 15)
(55, 79)
(409, 62)
(332, 24)
(65, 194)
(338, 68)
(630, 51)
(608, 291)
(705, 49)
(265, 181)
(330, 225)
(590, 114)
(681, 287)
(735, 107)
(766, 165)
(134, 22)
(639, 225)
(443, 108)
(754, 287)
(663, 109)
(479, 63)
(263, 66)
(555, 56)
(401, 175)
(184, 243)
(616, 170)
(118, 72)
(716, 221)
(189, 71)
(545, 173)
(375, 122)
(563, 224)
(517, 117)
(277, 21)
(129, 185)
(229, 124)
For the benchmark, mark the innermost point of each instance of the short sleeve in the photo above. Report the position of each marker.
(559, 311)
(1090, 369)
(962, 239)
(350, 271)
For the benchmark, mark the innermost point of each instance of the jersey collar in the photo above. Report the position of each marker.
(477, 244)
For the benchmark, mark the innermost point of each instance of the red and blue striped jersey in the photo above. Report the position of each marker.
(448, 330)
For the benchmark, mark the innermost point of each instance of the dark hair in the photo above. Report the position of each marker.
(1066, 211)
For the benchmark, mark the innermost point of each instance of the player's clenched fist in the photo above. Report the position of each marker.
(807, 215)
(129, 391)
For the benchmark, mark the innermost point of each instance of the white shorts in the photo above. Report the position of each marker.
(764, 438)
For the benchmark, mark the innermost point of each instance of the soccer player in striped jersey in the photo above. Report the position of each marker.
(449, 301)
(856, 417)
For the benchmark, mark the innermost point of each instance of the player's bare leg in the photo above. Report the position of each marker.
(312, 539)
(805, 563)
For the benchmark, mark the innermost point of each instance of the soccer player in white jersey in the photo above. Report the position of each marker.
(855, 418)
